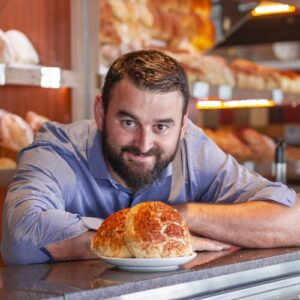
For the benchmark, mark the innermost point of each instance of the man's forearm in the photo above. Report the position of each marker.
(72, 249)
(254, 224)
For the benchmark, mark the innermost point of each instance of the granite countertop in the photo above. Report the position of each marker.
(96, 279)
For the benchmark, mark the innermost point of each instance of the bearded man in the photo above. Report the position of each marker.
(140, 147)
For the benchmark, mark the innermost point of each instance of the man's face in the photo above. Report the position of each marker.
(141, 133)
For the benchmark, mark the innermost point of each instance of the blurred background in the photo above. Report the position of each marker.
(55, 54)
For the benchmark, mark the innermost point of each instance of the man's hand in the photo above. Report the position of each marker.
(204, 244)
(76, 248)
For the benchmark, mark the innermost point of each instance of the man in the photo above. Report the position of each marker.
(141, 147)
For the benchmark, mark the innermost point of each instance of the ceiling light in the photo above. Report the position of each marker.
(245, 103)
(267, 8)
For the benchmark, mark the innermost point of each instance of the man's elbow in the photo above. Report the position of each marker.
(16, 252)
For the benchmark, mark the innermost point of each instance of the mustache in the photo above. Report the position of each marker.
(136, 151)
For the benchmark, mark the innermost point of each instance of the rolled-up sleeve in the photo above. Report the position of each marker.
(34, 210)
(234, 183)
(218, 178)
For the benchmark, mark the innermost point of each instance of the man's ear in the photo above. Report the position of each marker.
(184, 125)
(99, 112)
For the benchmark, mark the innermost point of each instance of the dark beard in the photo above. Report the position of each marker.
(135, 177)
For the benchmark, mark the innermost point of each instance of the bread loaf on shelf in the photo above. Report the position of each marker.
(15, 47)
(167, 25)
(216, 70)
(7, 163)
(262, 146)
(230, 143)
(244, 144)
(290, 81)
(6, 49)
(251, 75)
(35, 121)
(15, 132)
(247, 75)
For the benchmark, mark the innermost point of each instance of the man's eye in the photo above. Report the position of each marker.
(128, 123)
(161, 127)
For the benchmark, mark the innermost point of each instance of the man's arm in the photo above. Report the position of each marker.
(253, 224)
(34, 211)
(76, 248)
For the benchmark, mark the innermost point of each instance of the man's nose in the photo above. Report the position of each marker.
(144, 140)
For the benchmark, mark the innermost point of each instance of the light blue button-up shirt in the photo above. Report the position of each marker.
(62, 177)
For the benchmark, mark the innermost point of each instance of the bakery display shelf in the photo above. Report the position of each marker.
(200, 89)
(36, 75)
(267, 169)
(282, 65)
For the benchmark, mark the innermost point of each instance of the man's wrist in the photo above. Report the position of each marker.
(76, 248)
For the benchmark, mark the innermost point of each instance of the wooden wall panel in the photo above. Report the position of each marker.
(53, 103)
(47, 25)
(45, 22)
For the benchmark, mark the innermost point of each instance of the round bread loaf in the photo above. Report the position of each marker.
(155, 230)
(109, 239)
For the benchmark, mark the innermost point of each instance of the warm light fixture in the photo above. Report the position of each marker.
(221, 104)
(2, 74)
(50, 77)
(268, 7)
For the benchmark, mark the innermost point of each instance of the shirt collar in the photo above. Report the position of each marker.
(96, 160)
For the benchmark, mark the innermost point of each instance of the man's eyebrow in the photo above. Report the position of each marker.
(124, 113)
(167, 121)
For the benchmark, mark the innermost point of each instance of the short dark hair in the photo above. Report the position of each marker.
(150, 70)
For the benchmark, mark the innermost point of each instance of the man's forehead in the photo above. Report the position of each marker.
(127, 84)
(125, 95)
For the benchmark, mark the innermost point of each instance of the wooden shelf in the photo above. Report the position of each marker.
(283, 65)
(202, 90)
(32, 75)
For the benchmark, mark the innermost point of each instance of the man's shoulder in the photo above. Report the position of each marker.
(198, 145)
(76, 133)
(193, 132)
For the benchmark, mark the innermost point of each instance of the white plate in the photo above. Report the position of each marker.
(148, 264)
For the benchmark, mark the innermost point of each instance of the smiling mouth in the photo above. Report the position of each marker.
(139, 157)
